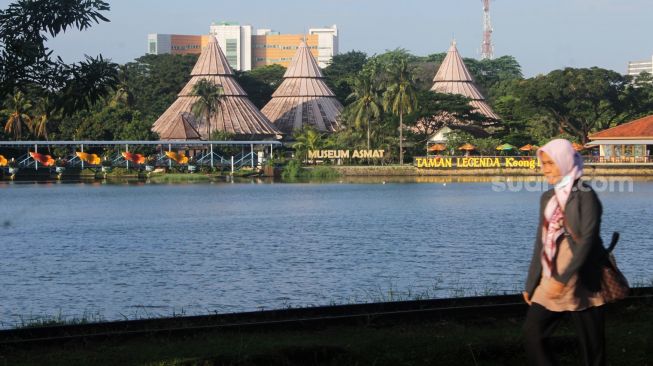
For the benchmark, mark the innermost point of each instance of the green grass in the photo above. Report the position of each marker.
(485, 341)
(59, 319)
(181, 177)
(294, 171)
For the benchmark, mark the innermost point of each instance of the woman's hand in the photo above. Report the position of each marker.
(526, 298)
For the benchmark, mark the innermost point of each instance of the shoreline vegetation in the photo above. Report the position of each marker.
(295, 172)
(471, 337)
(377, 295)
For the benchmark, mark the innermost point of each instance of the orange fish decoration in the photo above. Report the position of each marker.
(46, 160)
(180, 158)
(92, 159)
(134, 158)
(3, 161)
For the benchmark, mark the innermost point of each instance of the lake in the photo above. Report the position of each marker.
(117, 251)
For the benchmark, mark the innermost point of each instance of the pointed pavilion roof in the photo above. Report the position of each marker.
(181, 129)
(453, 77)
(237, 114)
(303, 98)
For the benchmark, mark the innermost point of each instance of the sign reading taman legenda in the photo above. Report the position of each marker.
(475, 162)
(345, 154)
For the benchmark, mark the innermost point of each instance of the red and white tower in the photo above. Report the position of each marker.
(487, 48)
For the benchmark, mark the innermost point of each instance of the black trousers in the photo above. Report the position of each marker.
(541, 323)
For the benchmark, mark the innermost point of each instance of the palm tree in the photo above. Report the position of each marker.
(44, 110)
(16, 107)
(208, 103)
(123, 94)
(367, 104)
(400, 96)
(307, 139)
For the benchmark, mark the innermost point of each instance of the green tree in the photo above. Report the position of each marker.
(435, 110)
(155, 80)
(638, 97)
(400, 96)
(366, 105)
(342, 70)
(307, 139)
(261, 82)
(208, 102)
(457, 138)
(107, 122)
(17, 107)
(123, 94)
(579, 101)
(25, 60)
(43, 116)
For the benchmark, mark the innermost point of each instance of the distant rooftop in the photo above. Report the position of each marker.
(225, 23)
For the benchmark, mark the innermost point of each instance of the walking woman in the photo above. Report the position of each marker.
(565, 272)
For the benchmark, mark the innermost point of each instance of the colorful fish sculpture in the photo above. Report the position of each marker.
(3, 161)
(134, 158)
(46, 160)
(179, 158)
(92, 159)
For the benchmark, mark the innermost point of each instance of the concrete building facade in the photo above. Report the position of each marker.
(327, 44)
(246, 48)
(236, 41)
(274, 48)
(176, 44)
(638, 67)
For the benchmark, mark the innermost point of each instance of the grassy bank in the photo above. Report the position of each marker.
(478, 341)
(295, 171)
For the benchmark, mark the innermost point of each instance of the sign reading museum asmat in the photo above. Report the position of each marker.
(345, 154)
(475, 162)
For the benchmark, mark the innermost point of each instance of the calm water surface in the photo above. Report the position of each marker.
(154, 250)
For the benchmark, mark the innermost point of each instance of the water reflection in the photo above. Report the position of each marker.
(111, 247)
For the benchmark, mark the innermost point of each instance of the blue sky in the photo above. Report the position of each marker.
(543, 35)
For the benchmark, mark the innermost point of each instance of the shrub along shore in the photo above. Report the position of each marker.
(479, 338)
(293, 172)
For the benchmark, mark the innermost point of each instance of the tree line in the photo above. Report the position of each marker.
(387, 97)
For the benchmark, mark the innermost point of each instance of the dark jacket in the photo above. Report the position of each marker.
(583, 218)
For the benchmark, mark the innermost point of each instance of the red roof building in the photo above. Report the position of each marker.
(628, 142)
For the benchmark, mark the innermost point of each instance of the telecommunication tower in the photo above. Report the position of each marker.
(487, 48)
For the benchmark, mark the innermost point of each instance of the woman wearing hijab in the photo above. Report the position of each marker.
(565, 271)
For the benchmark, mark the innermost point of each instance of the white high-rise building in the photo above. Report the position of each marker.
(246, 48)
(236, 42)
(638, 67)
(158, 44)
(327, 44)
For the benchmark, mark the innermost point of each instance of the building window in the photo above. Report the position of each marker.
(232, 52)
(152, 46)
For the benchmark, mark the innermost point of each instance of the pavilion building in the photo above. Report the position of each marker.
(453, 77)
(631, 142)
(236, 115)
(303, 98)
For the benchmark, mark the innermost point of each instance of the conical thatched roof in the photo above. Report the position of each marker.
(181, 129)
(303, 98)
(237, 114)
(453, 77)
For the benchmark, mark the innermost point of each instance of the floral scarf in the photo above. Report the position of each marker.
(570, 164)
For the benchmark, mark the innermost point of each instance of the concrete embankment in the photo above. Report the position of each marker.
(409, 170)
